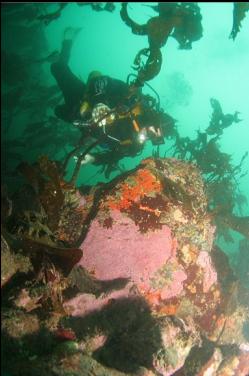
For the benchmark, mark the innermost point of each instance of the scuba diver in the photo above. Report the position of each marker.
(113, 112)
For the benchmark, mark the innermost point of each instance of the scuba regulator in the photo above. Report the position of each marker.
(102, 117)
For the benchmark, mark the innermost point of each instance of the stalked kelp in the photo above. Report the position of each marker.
(182, 21)
(99, 7)
(239, 13)
(219, 121)
(220, 175)
(49, 17)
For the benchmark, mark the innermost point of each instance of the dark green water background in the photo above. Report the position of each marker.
(215, 67)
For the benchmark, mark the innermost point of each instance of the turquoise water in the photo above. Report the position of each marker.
(215, 67)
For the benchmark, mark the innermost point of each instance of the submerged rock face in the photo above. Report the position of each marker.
(150, 295)
(152, 228)
(11, 263)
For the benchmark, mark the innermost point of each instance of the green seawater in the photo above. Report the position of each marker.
(215, 67)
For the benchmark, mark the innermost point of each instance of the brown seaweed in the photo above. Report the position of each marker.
(86, 283)
(219, 120)
(239, 224)
(182, 21)
(62, 257)
(239, 13)
(45, 180)
(153, 64)
(49, 17)
(98, 7)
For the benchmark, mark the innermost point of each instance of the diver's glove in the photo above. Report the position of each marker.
(86, 160)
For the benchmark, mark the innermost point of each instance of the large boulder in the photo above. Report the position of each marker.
(152, 228)
(150, 295)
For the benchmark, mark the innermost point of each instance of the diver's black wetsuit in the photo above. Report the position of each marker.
(73, 88)
(107, 90)
(103, 89)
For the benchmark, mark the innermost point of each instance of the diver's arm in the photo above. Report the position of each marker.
(119, 87)
(118, 91)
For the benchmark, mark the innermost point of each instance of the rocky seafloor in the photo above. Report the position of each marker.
(124, 280)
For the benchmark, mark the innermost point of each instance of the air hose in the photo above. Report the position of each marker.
(146, 83)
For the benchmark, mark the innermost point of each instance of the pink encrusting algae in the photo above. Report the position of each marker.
(210, 275)
(123, 251)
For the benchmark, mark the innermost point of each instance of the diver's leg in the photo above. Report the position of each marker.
(71, 86)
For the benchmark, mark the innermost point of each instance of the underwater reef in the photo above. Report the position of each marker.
(124, 280)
